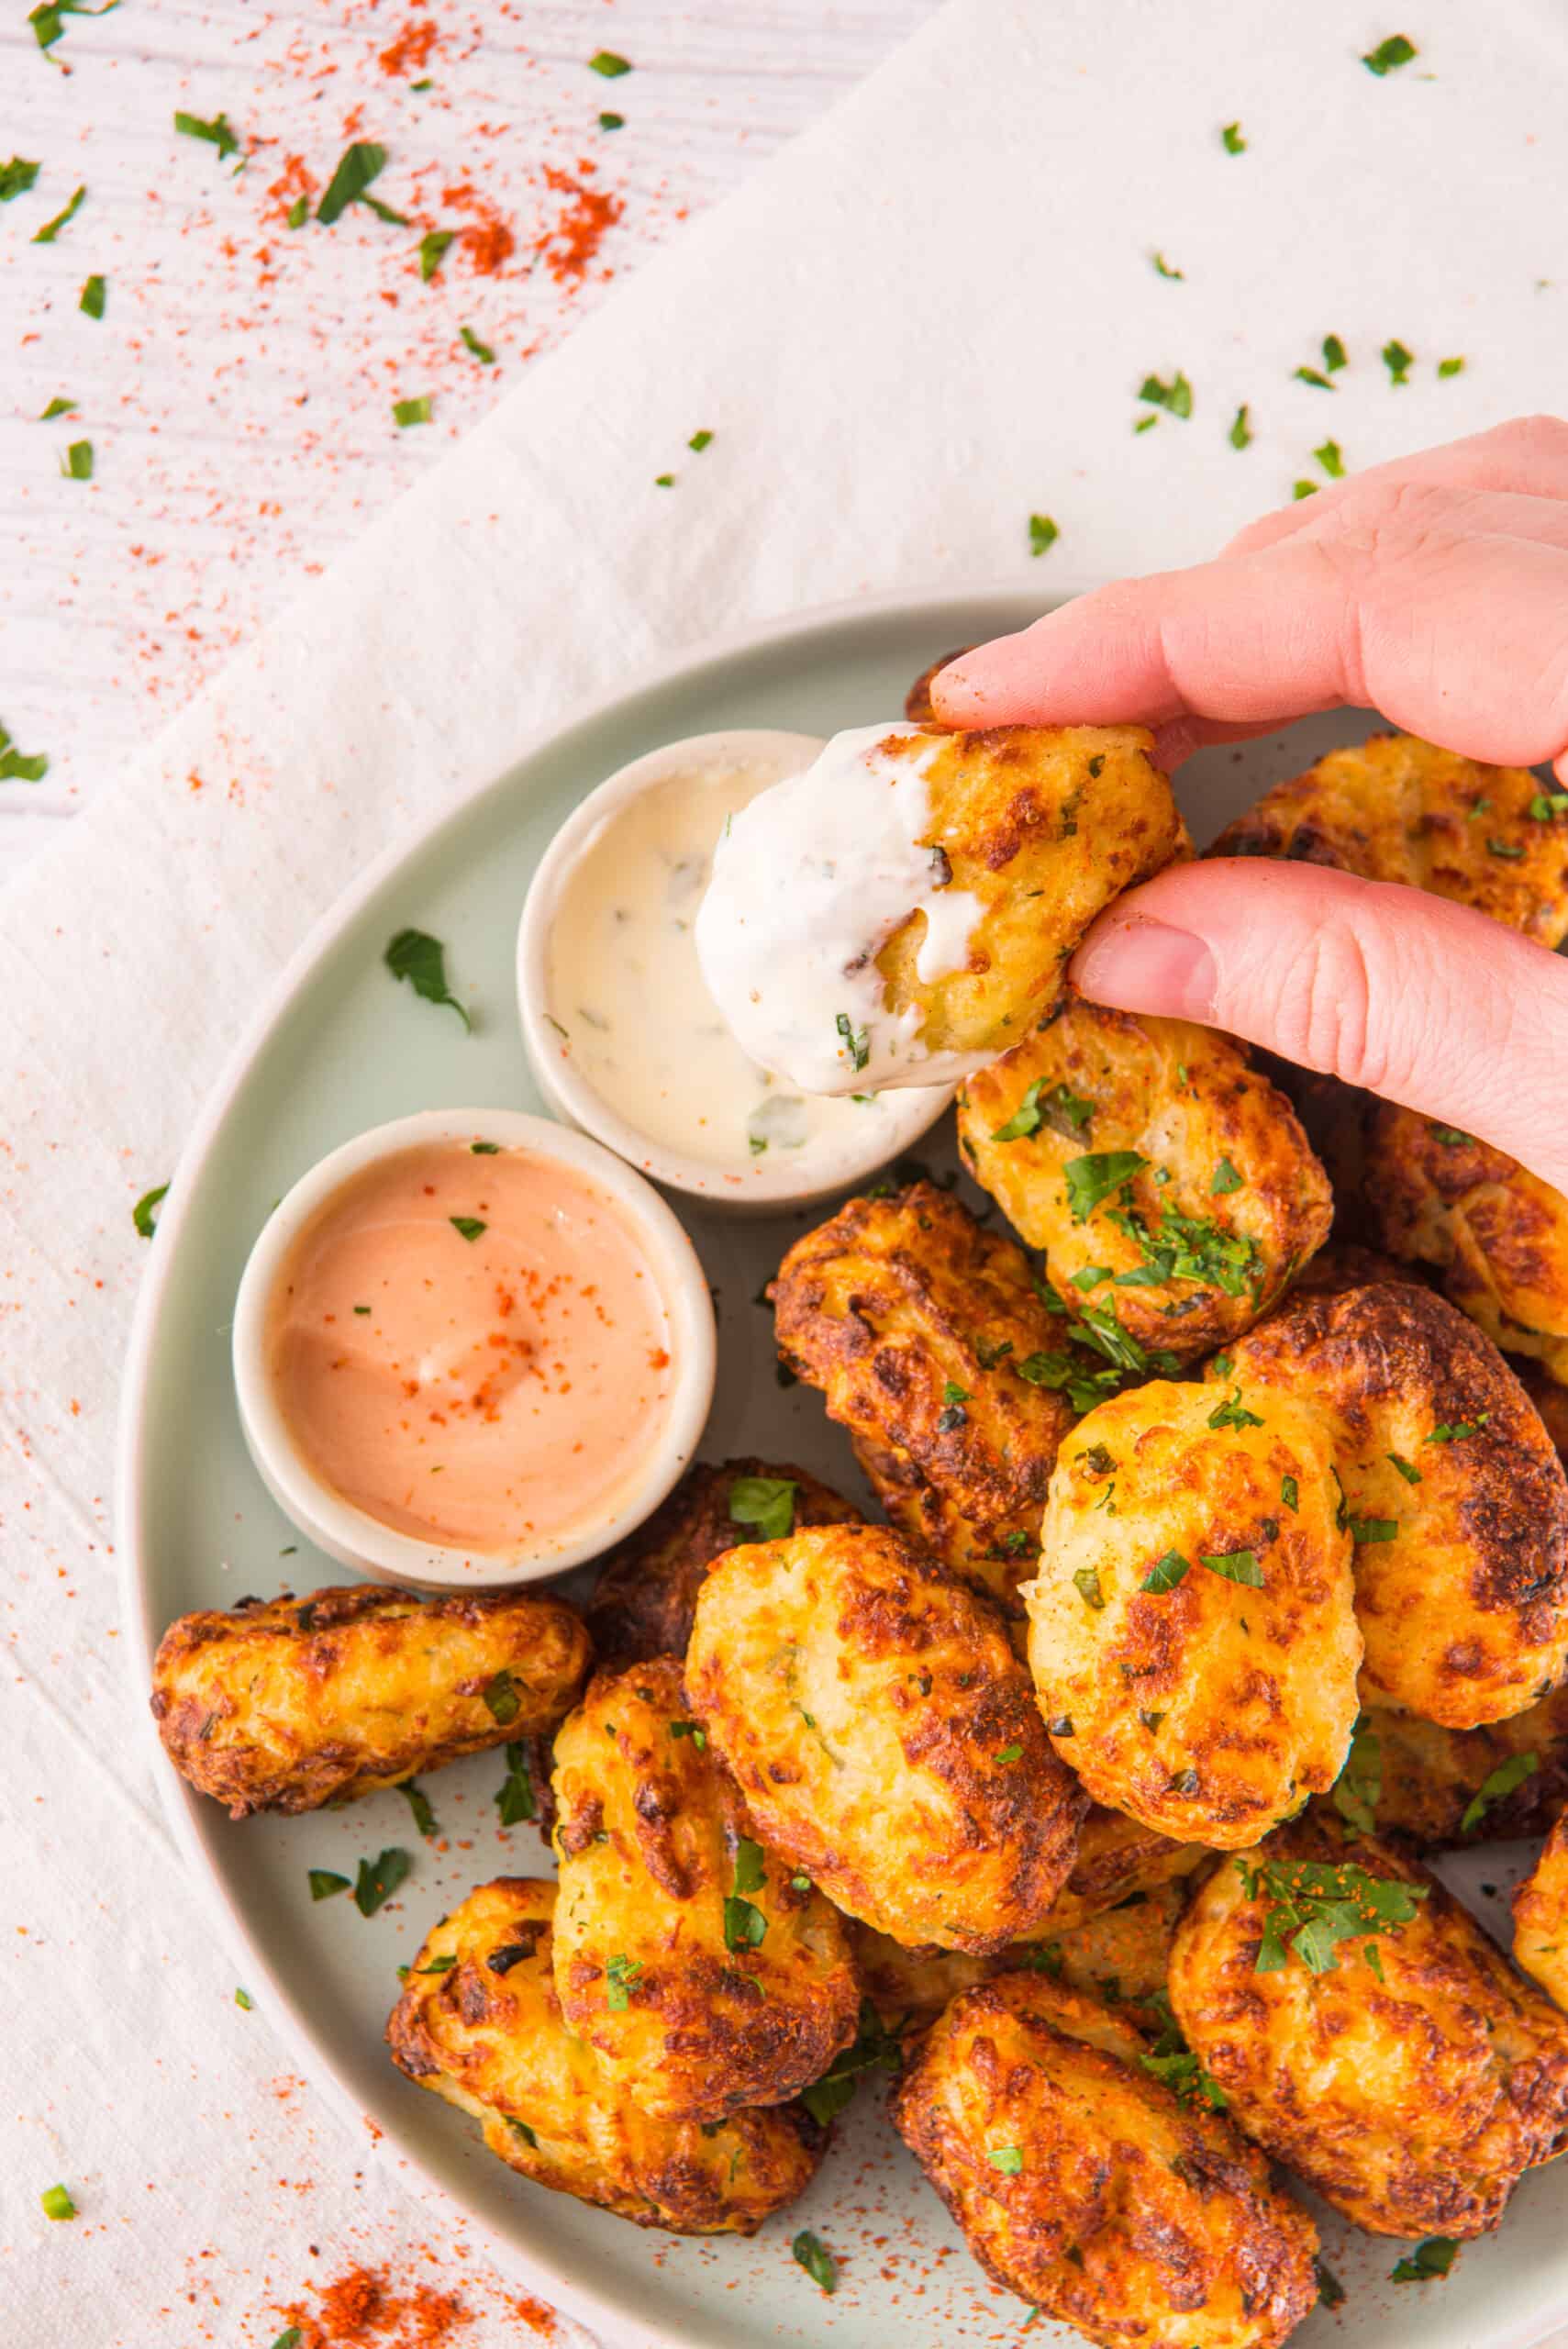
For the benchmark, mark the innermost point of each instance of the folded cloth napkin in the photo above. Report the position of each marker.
(929, 319)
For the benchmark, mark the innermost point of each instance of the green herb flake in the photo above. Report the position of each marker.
(605, 61)
(1236, 1566)
(414, 411)
(1311, 375)
(1086, 1582)
(480, 351)
(1398, 362)
(1367, 1531)
(1451, 1138)
(1008, 2159)
(1166, 1573)
(1300, 489)
(1433, 2257)
(218, 132)
(1146, 424)
(16, 177)
(1162, 267)
(612, 121)
(1504, 848)
(622, 1976)
(299, 212)
(1177, 396)
(501, 1698)
(766, 1503)
(243, 2000)
(1233, 1413)
(1334, 355)
(57, 2203)
(515, 1802)
(361, 163)
(1043, 533)
(1543, 806)
(433, 246)
(1008, 1754)
(1060, 1109)
(51, 228)
(420, 959)
(1226, 1179)
(1396, 51)
(1498, 1782)
(142, 1215)
(379, 1878)
(438, 1966)
(95, 293)
(855, 1041)
(1314, 1905)
(693, 1729)
(1358, 1789)
(1093, 1178)
(325, 1882)
(1329, 458)
(468, 1226)
(1330, 2291)
(291, 2336)
(1230, 139)
(1406, 1468)
(67, 407)
(813, 2254)
(1240, 434)
(1290, 1495)
(699, 442)
(419, 1804)
(1449, 367)
(77, 462)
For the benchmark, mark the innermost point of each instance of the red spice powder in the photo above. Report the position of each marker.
(573, 242)
(489, 242)
(411, 47)
(362, 2309)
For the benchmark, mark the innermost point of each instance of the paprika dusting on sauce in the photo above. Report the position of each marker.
(363, 2309)
(471, 1345)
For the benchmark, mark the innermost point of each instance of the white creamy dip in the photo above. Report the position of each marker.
(627, 999)
(809, 883)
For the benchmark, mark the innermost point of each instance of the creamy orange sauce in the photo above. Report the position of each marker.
(489, 1388)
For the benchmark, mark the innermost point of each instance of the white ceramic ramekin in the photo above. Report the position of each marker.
(351, 1535)
(769, 1184)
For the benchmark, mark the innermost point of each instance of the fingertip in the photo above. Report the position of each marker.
(964, 693)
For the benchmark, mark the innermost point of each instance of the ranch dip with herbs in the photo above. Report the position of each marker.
(627, 995)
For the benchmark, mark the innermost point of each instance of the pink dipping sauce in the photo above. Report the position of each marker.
(473, 1347)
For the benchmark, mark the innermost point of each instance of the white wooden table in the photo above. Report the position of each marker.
(238, 391)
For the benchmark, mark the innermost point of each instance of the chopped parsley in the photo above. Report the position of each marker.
(218, 132)
(1456, 1430)
(608, 121)
(1233, 1413)
(51, 228)
(468, 1226)
(693, 1729)
(1300, 489)
(622, 1976)
(45, 20)
(1311, 375)
(1501, 1781)
(16, 177)
(765, 1502)
(515, 1801)
(873, 2049)
(142, 1215)
(419, 1804)
(1172, 2062)
(413, 411)
(699, 441)
(1043, 533)
(1358, 1789)
(605, 61)
(433, 246)
(1177, 396)
(1504, 848)
(1240, 430)
(1008, 1754)
(325, 1882)
(745, 1926)
(1543, 806)
(1189, 1248)
(1236, 1566)
(57, 2203)
(1166, 1573)
(243, 2000)
(855, 1042)
(65, 407)
(480, 351)
(438, 1965)
(1008, 2159)
(1433, 2257)
(667, 480)
(95, 293)
(1368, 1529)
(1230, 139)
(1334, 354)
(1064, 1111)
(1162, 267)
(361, 163)
(813, 2254)
(77, 462)
(379, 1878)
(1395, 50)
(1451, 1137)
(1406, 1468)
(1398, 362)
(1093, 1177)
(1447, 367)
(1086, 1582)
(420, 959)
(1315, 1904)
(1290, 1495)
(518, 2128)
(501, 1698)
(299, 212)
(1329, 458)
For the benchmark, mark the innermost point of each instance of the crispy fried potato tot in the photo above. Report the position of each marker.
(485, 2032)
(917, 1324)
(904, 909)
(647, 1586)
(917, 700)
(1400, 809)
(1082, 2185)
(1498, 1235)
(1192, 1634)
(1415, 1778)
(303, 1701)
(1116, 1856)
(697, 2003)
(909, 1987)
(1220, 1201)
(885, 1736)
(1411, 2088)
(1460, 1542)
(1540, 1918)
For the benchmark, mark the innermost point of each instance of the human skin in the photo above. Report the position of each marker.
(1435, 590)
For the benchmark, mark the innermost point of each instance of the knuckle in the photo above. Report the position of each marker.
(1326, 1014)
(1389, 521)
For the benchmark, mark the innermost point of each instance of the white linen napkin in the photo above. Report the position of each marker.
(928, 320)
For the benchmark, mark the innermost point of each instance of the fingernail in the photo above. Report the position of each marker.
(1141, 965)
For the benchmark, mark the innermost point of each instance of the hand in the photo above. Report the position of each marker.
(1434, 590)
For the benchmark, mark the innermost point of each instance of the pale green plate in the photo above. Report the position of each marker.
(341, 1047)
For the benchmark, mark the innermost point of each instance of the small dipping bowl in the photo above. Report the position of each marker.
(471, 1348)
(623, 1037)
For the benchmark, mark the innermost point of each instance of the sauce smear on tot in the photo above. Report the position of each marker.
(470, 1344)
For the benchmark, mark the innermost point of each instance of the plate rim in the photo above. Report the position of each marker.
(186, 1815)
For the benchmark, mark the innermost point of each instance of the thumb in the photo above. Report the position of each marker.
(1426, 1002)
